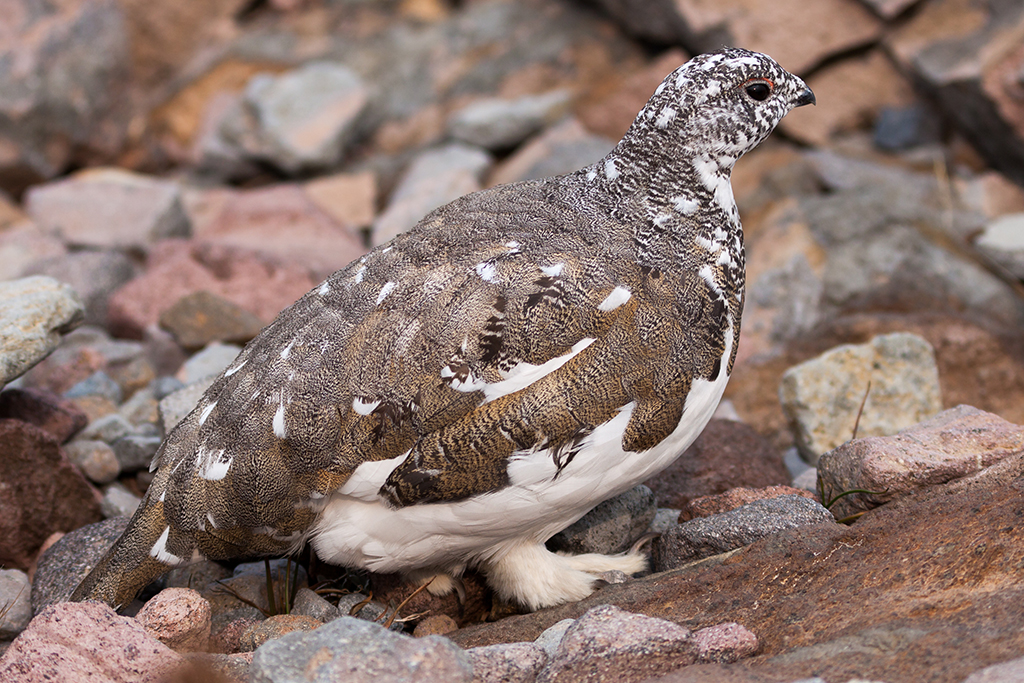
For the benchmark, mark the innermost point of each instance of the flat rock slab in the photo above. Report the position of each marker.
(889, 598)
(953, 444)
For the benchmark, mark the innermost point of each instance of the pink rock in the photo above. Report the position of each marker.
(109, 207)
(953, 444)
(179, 618)
(85, 642)
(608, 643)
(724, 643)
(176, 268)
(40, 492)
(280, 221)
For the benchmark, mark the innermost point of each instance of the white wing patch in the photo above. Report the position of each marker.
(364, 483)
(610, 172)
(159, 550)
(487, 271)
(384, 291)
(235, 368)
(525, 374)
(206, 412)
(278, 423)
(363, 405)
(616, 298)
(554, 270)
(212, 465)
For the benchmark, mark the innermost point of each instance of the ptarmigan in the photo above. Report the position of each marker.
(462, 393)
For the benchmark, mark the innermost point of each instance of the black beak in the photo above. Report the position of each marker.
(806, 97)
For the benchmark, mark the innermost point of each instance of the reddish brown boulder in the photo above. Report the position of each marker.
(59, 417)
(926, 588)
(726, 455)
(40, 492)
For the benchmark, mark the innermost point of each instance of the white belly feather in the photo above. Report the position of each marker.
(357, 529)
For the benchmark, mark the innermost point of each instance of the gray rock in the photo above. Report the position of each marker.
(507, 662)
(955, 443)
(612, 526)
(15, 602)
(36, 312)
(97, 384)
(197, 575)
(497, 124)
(822, 396)
(135, 451)
(899, 128)
(165, 386)
(563, 148)
(177, 404)
(118, 501)
(108, 428)
(1005, 672)
(95, 275)
(707, 536)
(141, 408)
(109, 209)
(95, 458)
(60, 84)
(1003, 242)
(371, 611)
(308, 603)
(663, 519)
(64, 564)
(208, 363)
(354, 650)
(433, 179)
(549, 639)
(305, 119)
(608, 643)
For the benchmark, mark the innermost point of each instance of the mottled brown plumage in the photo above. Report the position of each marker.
(523, 353)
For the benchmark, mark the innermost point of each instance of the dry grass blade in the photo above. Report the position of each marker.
(404, 603)
(860, 411)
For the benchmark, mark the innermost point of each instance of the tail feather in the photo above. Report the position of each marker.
(136, 559)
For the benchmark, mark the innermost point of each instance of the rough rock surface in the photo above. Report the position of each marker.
(15, 602)
(609, 643)
(63, 566)
(37, 311)
(708, 536)
(507, 662)
(953, 444)
(40, 492)
(727, 454)
(734, 498)
(611, 527)
(179, 618)
(822, 397)
(86, 642)
(358, 651)
(724, 643)
(275, 627)
(914, 564)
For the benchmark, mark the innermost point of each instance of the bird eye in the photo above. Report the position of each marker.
(758, 91)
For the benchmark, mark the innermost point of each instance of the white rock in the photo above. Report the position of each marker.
(15, 602)
(1003, 241)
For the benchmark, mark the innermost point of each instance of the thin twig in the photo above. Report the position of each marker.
(403, 603)
(860, 411)
(271, 600)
